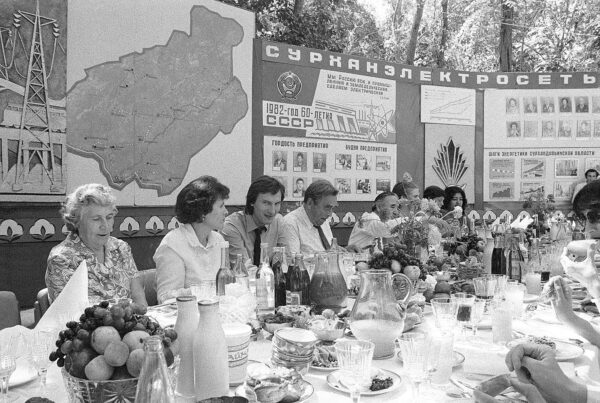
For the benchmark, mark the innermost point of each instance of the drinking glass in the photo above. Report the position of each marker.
(533, 281)
(8, 364)
(205, 289)
(501, 322)
(415, 349)
(485, 287)
(515, 293)
(464, 304)
(477, 312)
(444, 310)
(354, 359)
(501, 281)
(42, 344)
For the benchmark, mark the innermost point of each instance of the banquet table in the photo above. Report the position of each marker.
(482, 360)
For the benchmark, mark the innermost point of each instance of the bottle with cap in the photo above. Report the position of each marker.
(185, 326)
(265, 282)
(225, 275)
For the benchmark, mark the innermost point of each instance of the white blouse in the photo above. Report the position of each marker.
(182, 261)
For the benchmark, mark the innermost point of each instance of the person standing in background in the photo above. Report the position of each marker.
(590, 176)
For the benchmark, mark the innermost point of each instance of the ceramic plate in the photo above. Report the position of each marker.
(308, 391)
(23, 374)
(457, 357)
(564, 351)
(335, 380)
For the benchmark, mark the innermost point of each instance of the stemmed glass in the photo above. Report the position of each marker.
(477, 312)
(40, 348)
(8, 364)
(354, 359)
(414, 349)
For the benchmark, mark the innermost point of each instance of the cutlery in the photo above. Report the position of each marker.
(461, 384)
(465, 392)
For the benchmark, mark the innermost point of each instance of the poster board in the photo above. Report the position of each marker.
(539, 140)
(325, 124)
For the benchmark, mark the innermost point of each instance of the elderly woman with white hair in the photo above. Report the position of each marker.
(89, 214)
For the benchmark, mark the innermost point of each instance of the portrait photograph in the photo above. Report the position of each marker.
(547, 105)
(363, 162)
(530, 128)
(530, 104)
(513, 129)
(565, 130)
(565, 105)
(300, 185)
(597, 128)
(319, 162)
(548, 129)
(279, 160)
(584, 129)
(299, 161)
(582, 104)
(512, 105)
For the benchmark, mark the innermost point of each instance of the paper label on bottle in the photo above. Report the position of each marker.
(293, 298)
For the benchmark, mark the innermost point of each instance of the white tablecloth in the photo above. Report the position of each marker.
(486, 361)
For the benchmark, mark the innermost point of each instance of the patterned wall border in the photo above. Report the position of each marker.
(53, 230)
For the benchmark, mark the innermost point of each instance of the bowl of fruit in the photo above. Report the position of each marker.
(101, 355)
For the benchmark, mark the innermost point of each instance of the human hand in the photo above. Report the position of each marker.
(536, 364)
(584, 271)
(531, 393)
(562, 301)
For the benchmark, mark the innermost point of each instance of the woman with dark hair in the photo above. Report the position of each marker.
(192, 252)
(434, 193)
(454, 196)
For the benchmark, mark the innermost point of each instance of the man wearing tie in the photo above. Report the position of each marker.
(306, 229)
(259, 222)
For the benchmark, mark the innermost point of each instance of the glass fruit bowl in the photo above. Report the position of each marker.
(85, 391)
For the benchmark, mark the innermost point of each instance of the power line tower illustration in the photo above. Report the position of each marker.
(35, 131)
(4, 65)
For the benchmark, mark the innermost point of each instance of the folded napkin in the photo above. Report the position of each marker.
(488, 361)
(70, 303)
(521, 222)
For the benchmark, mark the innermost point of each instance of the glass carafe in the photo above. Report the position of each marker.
(376, 315)
(327, 286)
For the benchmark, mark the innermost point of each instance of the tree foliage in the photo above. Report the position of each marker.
(546, 35)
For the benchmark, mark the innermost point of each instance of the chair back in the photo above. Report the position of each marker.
(149, 282)
(9, 310)
(40, 306)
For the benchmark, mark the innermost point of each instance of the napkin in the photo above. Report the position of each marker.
(70, 303)
(521, 222)
(488, 361)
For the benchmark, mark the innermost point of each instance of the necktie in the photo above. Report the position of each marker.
(324, 240)
(256, 257)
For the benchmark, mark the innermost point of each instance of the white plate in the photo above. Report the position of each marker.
(23, 374)
(457, 358)
(334, 380)
(564, 351)
(308, 392)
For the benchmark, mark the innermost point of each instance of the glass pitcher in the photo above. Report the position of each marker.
(327, 288)
(376, 315)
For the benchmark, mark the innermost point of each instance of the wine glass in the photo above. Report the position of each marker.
(477, 312)
(354, 359)
(8, 364)
(414, 349)
(40, 348)
(464, 304)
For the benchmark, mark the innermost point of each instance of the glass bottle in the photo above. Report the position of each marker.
(288, 273)
(278, 275)
(294, 291)
(304, 280)
(376, 315)
(240, 272)
(498, 258)
(185, 326)
(328, 286)
(154, 384)
(265, 282)
(225, 275)
(211, 365)
(515, 261)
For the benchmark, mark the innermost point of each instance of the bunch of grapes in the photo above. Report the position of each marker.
(398, 253)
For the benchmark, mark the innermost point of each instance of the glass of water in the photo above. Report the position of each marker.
(8, 364)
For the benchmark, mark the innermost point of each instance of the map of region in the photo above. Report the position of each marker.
(146, 115)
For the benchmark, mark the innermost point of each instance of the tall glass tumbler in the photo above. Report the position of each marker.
(354, 359)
